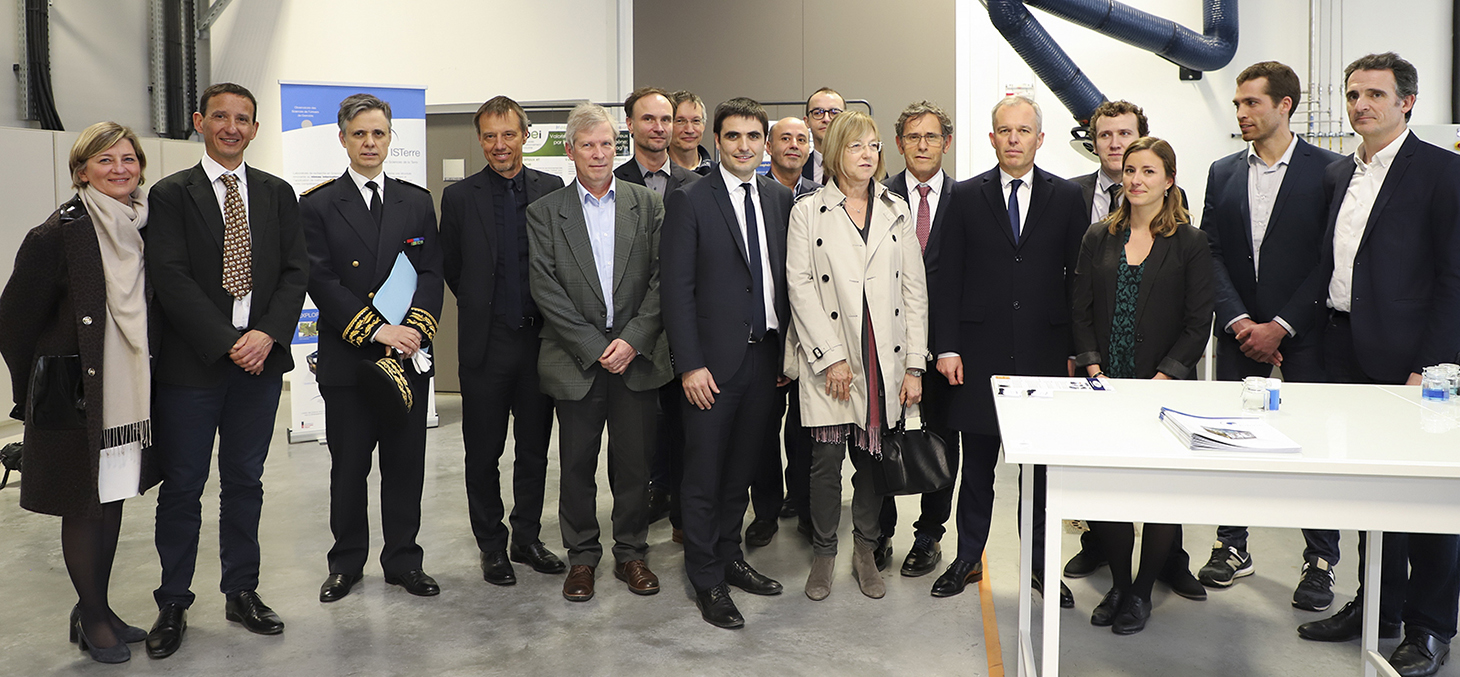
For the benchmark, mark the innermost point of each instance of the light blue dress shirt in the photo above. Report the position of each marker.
(601, 218)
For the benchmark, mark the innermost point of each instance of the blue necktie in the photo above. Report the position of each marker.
(1014, 207)
(752, 247)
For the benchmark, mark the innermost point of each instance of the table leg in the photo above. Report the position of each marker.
(1053, 527)
(1026, 571)
(1373, 574)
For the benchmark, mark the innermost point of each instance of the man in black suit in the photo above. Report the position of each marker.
(821, 108)
(650, 120)
(359, 227)
(226, 257)
(924, 134)
(722, 235)
(1003, 307)
(484, 247)
(1264, 216)
(689, 127)
(1386, 297)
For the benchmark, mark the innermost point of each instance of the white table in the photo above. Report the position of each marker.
(1374, 457)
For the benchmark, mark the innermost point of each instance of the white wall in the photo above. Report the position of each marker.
(1196, 117)
(462, 51)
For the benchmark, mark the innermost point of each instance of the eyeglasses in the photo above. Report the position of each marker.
(857, 147)
(934, 140)
(819, 113)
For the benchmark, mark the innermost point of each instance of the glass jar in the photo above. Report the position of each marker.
(1254, 394)
(1435, 384)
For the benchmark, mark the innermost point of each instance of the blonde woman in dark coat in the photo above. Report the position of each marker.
(79, 296)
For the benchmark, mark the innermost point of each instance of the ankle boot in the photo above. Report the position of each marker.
(864, 566)
(818, 583)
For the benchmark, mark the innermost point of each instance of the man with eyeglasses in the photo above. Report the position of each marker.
(689, 127)
(924, 133)
(823, 105)
(1001, 305)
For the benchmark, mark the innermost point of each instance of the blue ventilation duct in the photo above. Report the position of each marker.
(1210, 50)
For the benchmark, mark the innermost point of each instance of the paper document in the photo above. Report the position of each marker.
(393, 299)
(1047, 386)
(1237, 433)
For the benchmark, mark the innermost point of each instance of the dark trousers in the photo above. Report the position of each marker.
(724, 448)
(976, 497)
(241, 412)
(505, 384)
(666, 469)
(1303, 363)
(936, 505)
(766, 493)
(633, 424)
(354, 429)
(1429, 599)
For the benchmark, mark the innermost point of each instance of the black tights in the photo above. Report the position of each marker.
(89, 545)
(1118, 541)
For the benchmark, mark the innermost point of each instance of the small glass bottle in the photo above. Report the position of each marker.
(1254, 394)
(1435, 385)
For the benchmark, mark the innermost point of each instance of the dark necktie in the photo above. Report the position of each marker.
(1114, 191)
(377, 209)
(925, 220)
(1014, 206)
(757, 285)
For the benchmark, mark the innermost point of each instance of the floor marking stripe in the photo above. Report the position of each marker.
(990, 623)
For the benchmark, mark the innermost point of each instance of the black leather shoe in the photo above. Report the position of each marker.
(1067, 598)
(882, 554)
(1083, 564)
(717, 608)
(246, 608)
(1183, 583)
(415, 582)
(956, 577)
(922, 558)
(741, 575)
(658, 504)
(496, 569)
(537, 556)
(1133, 616)
(1344, 626)
(167, 633)
(760, 531)
(1419, 655)
(1106, 610)
(788, 509)
(337, 586)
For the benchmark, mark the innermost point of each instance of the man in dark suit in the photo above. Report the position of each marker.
(821, 108)
(689, 127)
(484, 243)
(789, 147)
(359, 228)
(924, 133)
(1386, 297)
(1002, 307)
(1264, 216)
(650, 121)
(722, 235)
(227, 260)
(594, 267)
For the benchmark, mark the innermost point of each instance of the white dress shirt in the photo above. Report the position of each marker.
(360, 180)
(737, 203)
(914, 200)
(1263, 184)
(818, 174)
(215, 171)
(1100, 205)
(600, 215)
(1005, 181)
(1353, 218)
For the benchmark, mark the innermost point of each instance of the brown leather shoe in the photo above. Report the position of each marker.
(579, 585)
(636, 573)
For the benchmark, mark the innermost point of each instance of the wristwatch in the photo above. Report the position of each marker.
(914, 371)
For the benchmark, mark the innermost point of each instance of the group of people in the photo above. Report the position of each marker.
(686, 305)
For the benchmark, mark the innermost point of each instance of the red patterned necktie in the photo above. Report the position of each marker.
(925, 220)
(237, 248)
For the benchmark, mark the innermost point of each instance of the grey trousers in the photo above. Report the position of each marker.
(826, 498)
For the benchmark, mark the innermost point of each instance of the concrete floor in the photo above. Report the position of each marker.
(475, 628)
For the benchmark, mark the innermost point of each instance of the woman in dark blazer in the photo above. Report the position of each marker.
(77, 304)
(1142, 309)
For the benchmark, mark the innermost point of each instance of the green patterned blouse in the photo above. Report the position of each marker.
(1123, 324)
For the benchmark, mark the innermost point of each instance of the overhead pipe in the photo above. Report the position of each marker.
(38, 65)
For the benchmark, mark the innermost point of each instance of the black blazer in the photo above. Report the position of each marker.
(678, 176)
(1290, 248)
(185, 262)
(704, 272)
(897, 183)
(1005, 306)
(1406, 286)
(1173, 308)
(350, 257)
(469, 252)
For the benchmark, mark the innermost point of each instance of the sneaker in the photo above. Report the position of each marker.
(1315, 589)
(1226, 565)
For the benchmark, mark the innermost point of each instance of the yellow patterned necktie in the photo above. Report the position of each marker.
(237, 248)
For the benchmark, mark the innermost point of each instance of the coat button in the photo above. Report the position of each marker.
(355, 264)
(818, 242)
(91, 372)
(747, 290)
(894, 238)
(370, 295)
(1018, 259)
(826, 278)
(86, 320)
(1016, 305)
(833, 314)
(896, 312)
(897, 349)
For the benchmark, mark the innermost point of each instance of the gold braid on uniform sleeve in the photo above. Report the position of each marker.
(421, 321)
(359, 331)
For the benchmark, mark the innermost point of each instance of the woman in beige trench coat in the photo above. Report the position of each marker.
(859, 306)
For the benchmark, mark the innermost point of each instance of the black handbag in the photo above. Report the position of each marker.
(57, 397)
(914, 459)
(10, 458)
